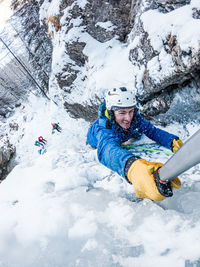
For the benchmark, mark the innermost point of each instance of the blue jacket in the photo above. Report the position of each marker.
(107, 137)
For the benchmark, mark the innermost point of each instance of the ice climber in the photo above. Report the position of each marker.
(56, 127)
(42, 149)
(37, 143)
(42, 140)
(119, 121)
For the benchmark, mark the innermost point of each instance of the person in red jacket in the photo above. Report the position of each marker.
(42, 140)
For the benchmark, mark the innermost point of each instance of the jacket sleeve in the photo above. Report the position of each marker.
(159, 136)
(109, 151)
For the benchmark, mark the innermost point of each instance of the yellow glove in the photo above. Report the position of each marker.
(176, 144)
(140, 174)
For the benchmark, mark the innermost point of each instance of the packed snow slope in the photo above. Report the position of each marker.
(64, 208)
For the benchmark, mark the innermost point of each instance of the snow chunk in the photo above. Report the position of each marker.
(91, 244)
(54, 8)
(83, 227)
(159, 26)
(160, 66)
(195, 3)
(82, 3)
(43, 10)
(108, 26)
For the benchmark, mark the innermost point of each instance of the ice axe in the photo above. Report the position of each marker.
(187, 156)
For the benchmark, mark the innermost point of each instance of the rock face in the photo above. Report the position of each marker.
(168, 76)
(165, 6)
(116, 11)
(7, 151)
(156, 96)
(91, 15)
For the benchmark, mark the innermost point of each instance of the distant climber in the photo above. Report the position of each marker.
(56, 127)
(42, 140)
(42, 149)
(37, 143)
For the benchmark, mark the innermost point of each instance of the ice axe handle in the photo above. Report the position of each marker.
(187, 156)
(163, 187)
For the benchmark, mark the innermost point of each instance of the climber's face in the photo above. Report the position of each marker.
(124, 117)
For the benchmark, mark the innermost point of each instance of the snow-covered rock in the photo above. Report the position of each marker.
(165, 52)
(161, 40)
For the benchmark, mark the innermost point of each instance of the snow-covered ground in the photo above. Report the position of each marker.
(64, 208)
(5, 12)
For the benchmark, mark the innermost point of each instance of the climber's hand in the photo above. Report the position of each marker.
(141, 175)
(176, 144)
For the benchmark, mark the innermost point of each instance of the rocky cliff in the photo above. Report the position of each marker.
(162, 82)
(42, 24)
(156, 96)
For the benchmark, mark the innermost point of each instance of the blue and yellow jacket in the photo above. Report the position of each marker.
(107, 137)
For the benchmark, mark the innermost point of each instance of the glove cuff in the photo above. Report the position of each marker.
(128, 165)
(164, 188)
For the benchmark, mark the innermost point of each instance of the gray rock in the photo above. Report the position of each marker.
(156, 95)
(7, 151)
(168, 5)
(92, 15)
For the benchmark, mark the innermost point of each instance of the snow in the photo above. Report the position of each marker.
(64, 208)
(115, 71)
(153, 66)
(186, 30)
(82, 3)
(107, 64)
(195, 4)
(178, 23)
(108, 26)
(53, 8)
(43, 10)
(5, 12)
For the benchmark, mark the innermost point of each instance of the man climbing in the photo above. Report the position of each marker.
(119, 121)
(42, 140)
(56, 127)
(37, 143)
(42, 149)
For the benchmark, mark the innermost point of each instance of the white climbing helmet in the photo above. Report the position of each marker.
(117, 98)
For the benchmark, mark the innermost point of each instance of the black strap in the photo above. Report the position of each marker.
(128, 165)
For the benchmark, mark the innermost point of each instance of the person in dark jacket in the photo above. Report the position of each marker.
(56, 127)
(119, 121)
